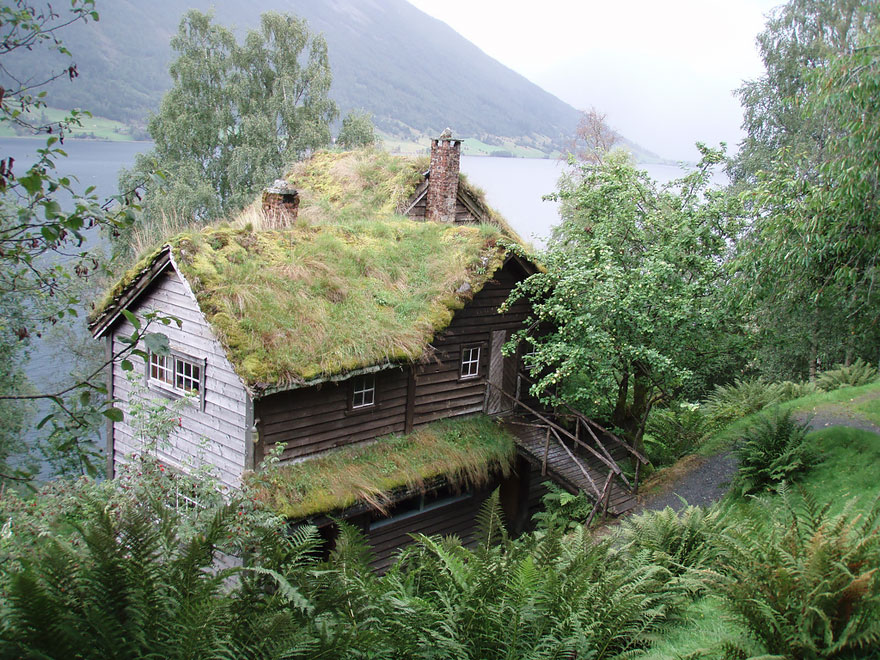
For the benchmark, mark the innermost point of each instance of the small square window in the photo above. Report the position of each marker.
(176, 374)
(470, 361)
(187, 375)
(363, 393)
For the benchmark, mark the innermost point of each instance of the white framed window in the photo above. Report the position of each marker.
(162, 369)
(363, 391)
(470, 361)
(176, 373)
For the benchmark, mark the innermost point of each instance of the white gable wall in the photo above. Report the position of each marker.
(216, 435)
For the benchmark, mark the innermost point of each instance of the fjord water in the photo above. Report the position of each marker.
(513, 186)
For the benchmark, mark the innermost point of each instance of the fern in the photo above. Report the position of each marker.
(743, 397)
(805, 583)
(774, 450)
(854, 375)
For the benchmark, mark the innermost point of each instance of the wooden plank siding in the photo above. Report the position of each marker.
(214, 436)
(455, 519)
(316, 419)
(462, 214)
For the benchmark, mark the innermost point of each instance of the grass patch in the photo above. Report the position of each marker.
(467, 452)
(862, 401)
(93, 128)
(848, 468)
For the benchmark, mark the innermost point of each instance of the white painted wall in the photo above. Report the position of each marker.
(216, 435)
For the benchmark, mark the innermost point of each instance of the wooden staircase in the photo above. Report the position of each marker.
(578, 454)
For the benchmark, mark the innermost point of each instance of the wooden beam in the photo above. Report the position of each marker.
(578, 463)
(410, 400)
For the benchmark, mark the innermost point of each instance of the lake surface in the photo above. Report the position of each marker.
(513, 186)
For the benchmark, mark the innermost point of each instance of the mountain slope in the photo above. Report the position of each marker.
(412, 72)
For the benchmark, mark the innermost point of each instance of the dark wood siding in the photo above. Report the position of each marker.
(318, 418)
(457, 519)
(440, 391)
(462, 214)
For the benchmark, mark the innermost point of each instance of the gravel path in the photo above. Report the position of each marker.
(704, 480)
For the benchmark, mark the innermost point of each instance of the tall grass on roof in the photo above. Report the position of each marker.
(308, 302)
(467, 452)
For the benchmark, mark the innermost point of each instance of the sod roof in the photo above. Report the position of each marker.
(463, 452)
(350, 285)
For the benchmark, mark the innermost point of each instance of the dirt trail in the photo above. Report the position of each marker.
(702, 480)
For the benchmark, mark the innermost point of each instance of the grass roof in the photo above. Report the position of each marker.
(350, 284)
(466, 452)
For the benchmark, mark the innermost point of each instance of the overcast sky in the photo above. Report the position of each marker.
(662, 70)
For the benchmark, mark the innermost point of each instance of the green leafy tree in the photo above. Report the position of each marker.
(630, 309)
(800, 36)
(236, 115)
(357, 131)
(804, 306)
(809, 262)
(42, 260)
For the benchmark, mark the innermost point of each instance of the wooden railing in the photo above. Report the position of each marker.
(597, 449)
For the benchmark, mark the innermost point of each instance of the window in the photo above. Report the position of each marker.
(175, 373)
(161, 369)
(363, 392)
(470, 361)
(420, 504)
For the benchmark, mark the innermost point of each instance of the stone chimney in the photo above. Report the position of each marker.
(281, 201)
(443, 178)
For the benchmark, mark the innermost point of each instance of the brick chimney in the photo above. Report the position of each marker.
(443, 178)
(281, 200)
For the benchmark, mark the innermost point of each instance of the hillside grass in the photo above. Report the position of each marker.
(848, 402)
(846, 476)
(95, 128)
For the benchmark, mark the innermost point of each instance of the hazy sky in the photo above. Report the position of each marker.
(662, 70)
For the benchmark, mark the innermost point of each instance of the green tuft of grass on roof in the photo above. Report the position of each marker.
(466, 452)
(313, 301)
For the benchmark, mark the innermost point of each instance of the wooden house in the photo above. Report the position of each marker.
(358, 339)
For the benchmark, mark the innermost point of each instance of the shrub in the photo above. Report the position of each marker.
(562, 510)
(675, 540)
(789, 390)
(774, 450)
(675, 431)
(858, 373)
(805, 584)
(743, 397)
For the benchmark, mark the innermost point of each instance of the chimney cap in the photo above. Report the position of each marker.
(446, 135)
(281, 187)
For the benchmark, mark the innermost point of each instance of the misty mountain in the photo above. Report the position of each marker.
(415, 74)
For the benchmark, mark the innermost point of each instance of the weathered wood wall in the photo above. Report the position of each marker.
(315, 419)
(213, 436)
(462, 214)
(456, 519)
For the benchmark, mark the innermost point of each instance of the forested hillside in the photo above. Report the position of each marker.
(412, 72)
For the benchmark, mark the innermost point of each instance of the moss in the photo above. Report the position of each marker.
(466, 452)
(313, 301)
(348, 285)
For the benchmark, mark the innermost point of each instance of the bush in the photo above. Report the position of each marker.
(675, 540)
(805, 584)
(774, 450)
(561, 509)
(675, 431)
(789, 390)
(858, 373)
(743, 397)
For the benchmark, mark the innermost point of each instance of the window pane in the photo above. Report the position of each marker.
(363, 391)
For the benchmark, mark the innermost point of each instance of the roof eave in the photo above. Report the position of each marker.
(130, 293)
